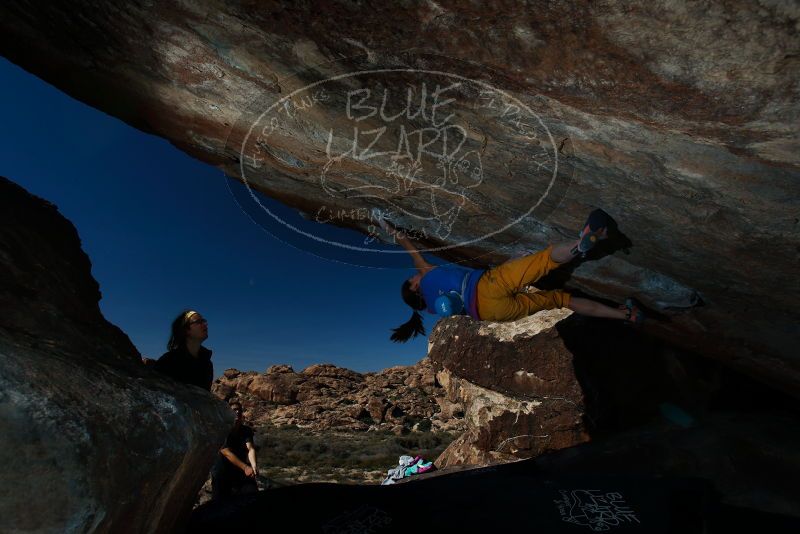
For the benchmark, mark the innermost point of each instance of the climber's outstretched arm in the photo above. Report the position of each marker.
(419, 262)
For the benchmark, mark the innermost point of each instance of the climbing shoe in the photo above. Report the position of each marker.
(595, 229)
(634, 313)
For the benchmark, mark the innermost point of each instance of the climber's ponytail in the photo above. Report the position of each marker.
(414, 326)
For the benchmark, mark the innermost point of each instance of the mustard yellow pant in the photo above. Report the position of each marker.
(500, 296)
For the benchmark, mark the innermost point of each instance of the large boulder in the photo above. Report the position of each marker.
(90, 439)
(277, 388)
(517, 384)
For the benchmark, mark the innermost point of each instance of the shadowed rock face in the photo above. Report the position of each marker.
(680, 119)
(736, 450)
(90, 440)
(669, 480)
(555, 379)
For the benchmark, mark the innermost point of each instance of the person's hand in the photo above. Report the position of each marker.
(377, 214)
(248, 471)
(255, 472)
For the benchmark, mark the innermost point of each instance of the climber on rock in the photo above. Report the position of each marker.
(497, 294)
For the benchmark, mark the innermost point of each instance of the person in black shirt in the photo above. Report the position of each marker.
(235, 469)
(187, 360)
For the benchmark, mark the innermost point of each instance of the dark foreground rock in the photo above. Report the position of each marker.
(90, 439)
(750, 456)
(725, 472)
(492, 499)
(504, 498)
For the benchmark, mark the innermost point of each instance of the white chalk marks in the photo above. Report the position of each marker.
(598, 511)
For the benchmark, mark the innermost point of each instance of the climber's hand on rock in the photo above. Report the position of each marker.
(377, 215)
(385, 225)
(248, 471)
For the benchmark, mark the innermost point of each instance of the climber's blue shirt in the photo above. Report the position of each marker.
(445, 278)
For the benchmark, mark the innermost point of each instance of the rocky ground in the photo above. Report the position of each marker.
(325, 397)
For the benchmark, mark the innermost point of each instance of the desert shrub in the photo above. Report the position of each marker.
(292, 447)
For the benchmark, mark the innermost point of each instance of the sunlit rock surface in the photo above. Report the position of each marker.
(90, 439)
(517, 384)
(324, 397)
(679, 118)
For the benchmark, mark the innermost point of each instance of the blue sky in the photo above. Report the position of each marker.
(164, 233)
